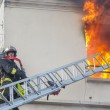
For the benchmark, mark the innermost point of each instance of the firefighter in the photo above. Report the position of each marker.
(9, 71)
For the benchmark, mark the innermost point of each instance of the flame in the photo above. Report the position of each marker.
(96, 29)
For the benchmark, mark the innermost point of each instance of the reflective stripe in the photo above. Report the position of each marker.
(3, 91)
(7, 79)
(20, 89)
(13, 71)
(2, 80)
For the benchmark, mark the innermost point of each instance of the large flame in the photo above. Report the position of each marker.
(97, 30)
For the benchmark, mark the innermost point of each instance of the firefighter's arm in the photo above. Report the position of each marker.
(7, 67)
(21, 74)
(12, 70)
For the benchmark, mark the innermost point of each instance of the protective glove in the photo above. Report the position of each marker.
(21, 74)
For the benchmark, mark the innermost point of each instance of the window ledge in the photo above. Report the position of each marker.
(98, 80)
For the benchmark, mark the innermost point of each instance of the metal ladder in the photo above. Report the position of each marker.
(38, 86)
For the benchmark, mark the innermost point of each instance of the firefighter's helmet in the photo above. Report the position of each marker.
(10, 49)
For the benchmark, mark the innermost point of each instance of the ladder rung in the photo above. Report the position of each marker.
(17, 91)
(68, 75)
(80, 70)
(32, 87)
(5, 99)
(56, 78)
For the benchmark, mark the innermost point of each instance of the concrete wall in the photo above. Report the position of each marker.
(47, 38)
(44, 39)
(65, 106)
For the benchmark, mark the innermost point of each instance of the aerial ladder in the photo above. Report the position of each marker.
(46, 83)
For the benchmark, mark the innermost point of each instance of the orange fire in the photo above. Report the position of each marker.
(97, 30)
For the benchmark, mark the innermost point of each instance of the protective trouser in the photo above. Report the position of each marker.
(5, 92)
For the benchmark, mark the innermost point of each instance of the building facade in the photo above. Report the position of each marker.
(49, 34)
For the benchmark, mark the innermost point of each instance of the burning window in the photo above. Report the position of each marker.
(97, 31)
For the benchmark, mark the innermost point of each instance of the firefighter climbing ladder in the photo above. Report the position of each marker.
(38, 86)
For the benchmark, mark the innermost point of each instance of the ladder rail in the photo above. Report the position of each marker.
(67, 65)
(39, 84)
(36, 76)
